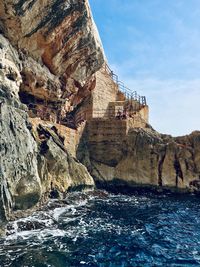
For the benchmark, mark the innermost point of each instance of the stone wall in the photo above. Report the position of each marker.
(105, 138)
(105, 92)
(97, 105)
(106, 100)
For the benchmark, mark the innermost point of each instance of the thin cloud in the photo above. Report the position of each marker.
(174, 104)
(154, 48)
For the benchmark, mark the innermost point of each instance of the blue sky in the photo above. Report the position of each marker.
(154, 47)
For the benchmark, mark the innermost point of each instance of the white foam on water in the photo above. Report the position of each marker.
(58, 212)
(68, 220)
(72, 208)
(17, 232)
(51, 233)
(39, 236)
(24, 235)
(196, 255)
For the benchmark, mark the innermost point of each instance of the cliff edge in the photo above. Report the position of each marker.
(49, 53)
(141, 158)
(66, 121)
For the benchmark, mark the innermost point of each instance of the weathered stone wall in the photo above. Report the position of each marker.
(106, 100)
(136, 121)
(107, 137)
(105, 92)
(97, 105)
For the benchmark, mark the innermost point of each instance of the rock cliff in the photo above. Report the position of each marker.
(49, 51)
(51, 59)
(140, 157)
(59, 43)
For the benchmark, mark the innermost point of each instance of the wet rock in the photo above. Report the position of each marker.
(30, 225)
(99, 193)
(55, 194)
(60, 171)
(20, 184)
(29, 165)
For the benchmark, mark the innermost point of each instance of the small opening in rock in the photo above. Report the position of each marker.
(11, 76)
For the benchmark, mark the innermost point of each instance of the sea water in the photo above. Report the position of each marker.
(107, 230)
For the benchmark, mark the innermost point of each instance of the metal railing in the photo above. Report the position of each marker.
(119, 112)
(129, 94)
(55, 116)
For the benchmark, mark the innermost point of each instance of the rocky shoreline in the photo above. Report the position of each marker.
(46, 61)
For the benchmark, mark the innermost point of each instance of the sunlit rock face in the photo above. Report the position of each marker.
(10, 67)
(141, 158)
(49, 50)
(32, 165)
(61, 35)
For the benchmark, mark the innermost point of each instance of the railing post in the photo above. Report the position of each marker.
(139, 100)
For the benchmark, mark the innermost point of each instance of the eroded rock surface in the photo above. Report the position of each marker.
(20, 183)
(141, 157)
(50, 54)
(58, 34)
(32, 166)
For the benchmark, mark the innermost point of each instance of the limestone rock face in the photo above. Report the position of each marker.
(57, 168)
(10, 67)
(18, 159)
(50, 53)
(39, 82)
(59, 34)
(142, 157)
(20, 183)
(30, 168)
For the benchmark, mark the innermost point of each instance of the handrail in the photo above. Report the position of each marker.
(45, 113)
(127, 109)
(129, 94)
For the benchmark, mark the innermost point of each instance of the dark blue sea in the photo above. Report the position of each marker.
(107, 230)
